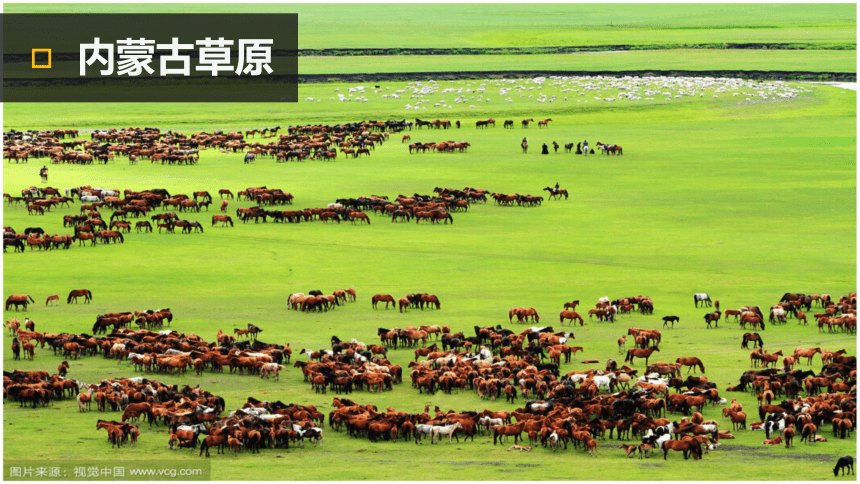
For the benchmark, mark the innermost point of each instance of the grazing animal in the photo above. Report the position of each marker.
(88, 296)
(387, 298)
(703, 298)
(713, 317)
(572, 316)
(692, 362)
(843, 463)
(755, 338)
(52, 298)
(19, 299)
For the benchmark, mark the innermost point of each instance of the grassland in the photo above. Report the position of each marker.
(511, 25)
(676, 59)
(742, 199)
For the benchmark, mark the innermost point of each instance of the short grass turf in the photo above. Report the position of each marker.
(703, 60)
(743, 200)
(528, 25)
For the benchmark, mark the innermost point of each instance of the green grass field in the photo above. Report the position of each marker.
(680, 59)
(742, 199)
(520, 25)
(742, 196)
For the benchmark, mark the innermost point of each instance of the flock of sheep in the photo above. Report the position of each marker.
(583, 89)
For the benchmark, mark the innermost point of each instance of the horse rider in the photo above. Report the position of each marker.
(44, 173)
(585, 147)
(555, 190)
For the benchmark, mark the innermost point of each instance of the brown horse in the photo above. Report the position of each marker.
(692, 362)
(404, 303)
(553, 194)
(20, 299)
(360, 216)
(571, 315)
(544, 123)
(504, 430)
(755, 338)
(571, 305)
(88, 296)
(224, 219)
(383, 297)
(523, 315)
(224, 191)
(732, 312)
(713, 317)
(52, 298)
(768, 358)
(687, 447)
(526, 122)
(430, 300)
(640, 353)
(525, 147)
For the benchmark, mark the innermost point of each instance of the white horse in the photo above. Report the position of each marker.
(701, 297)
(604, 381)
(423, 429)
(444, 430)
(553, 441)
(777, 314)
(489, 423)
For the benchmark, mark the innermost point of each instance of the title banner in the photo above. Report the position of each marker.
(150, 58)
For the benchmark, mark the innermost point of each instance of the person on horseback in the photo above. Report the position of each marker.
(555, 190)
(585, 147)
(44, 173)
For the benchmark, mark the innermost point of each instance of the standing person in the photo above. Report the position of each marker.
(545, 149)
(44, 173)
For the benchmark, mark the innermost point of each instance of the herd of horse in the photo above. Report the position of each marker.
(25, 299)
(302, 142)
(577, 407)
(89, 226)
(416, 301)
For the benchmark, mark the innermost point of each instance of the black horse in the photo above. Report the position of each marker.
(670, 319)
(842, 463)
(193, 225)
(16, 243)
